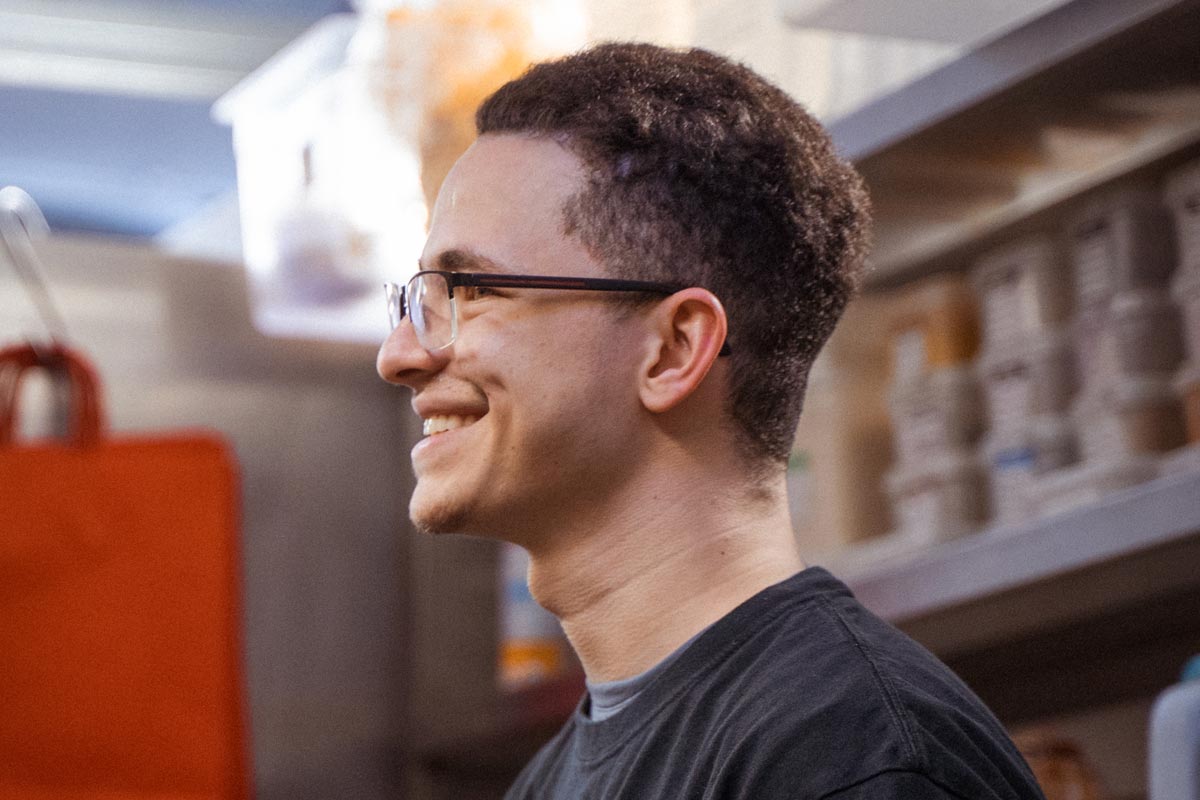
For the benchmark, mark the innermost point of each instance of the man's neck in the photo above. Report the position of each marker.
(632, 588)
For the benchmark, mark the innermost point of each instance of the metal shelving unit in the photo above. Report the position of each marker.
(1099, 605)
(1006, 137)
(1125, 531)
(1133, 559)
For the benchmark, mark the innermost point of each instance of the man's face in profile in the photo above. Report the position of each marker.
(530, 411)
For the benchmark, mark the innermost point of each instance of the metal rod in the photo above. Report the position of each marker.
(20, 220)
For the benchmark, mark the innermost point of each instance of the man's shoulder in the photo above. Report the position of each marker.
(832, 690)
(816, 652)
(802, 693)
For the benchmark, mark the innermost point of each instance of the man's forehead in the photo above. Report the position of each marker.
(517, 164)
(501, 204)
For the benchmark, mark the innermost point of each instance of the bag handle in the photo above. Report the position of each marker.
(87, 419)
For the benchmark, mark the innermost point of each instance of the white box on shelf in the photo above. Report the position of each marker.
(1075, 487)
(1118, 242)
(1186, 291)
(329, 188)
(935, 412)
(1182, 196)
(942, 498)
(1022, 290)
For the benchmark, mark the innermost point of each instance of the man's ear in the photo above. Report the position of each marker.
(689, 328)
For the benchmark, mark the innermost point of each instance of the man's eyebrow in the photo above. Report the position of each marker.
(459, 260)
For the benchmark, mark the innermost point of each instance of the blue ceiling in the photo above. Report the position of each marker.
(129, 165)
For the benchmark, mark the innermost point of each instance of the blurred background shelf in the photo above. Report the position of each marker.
(1075, 621)
(372, 650)
(1097, 604)
(1001, 138)
(937, 20)
(1127, 530)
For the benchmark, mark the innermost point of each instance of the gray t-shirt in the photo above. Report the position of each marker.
(798, 694)
(606, 699)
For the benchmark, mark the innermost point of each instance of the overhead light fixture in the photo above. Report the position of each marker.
(952, 22)
(161, 50)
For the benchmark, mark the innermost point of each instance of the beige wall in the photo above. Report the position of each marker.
(367, 645)
(363, 641)
(829, 73)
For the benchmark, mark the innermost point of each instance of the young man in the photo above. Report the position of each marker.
(626, 281)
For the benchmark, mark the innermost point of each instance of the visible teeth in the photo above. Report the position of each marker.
(440, 424)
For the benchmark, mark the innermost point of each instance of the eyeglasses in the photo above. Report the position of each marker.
(428, 298)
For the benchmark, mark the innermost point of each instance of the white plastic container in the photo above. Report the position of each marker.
(1186, 459)
(329, 194)
(1098, 428)
(1007, 382)
(1054, 441)
(1136, 415)
(1145, 326)
(1186, 291)
(1119, 242)
(1022, 289)
(1016, 459)
(1011, 461)
(1055, 372)
(1088, 483)
(1150, 414)
(843, 443)
(1182, 195)
(935, 413)
(1023, 378)
(1138, 332)
(1174, 746)
(1187, 386)
(532, 646)
(941, 499)
(1095, 340)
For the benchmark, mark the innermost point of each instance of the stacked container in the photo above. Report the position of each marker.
(935, 483)
(1127, 337)
(1174, 741)
(1026, 370)
(843, 448)
(1182, 195)
(532, 646)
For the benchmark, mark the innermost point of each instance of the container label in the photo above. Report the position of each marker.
(1011, 477)
(1187, 226)
(1002, 304)
(1099, 366)
(1009, 391)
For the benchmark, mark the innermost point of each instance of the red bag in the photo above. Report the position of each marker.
(120, 618)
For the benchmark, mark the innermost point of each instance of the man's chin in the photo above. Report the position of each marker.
(437, 521)
(437, 515)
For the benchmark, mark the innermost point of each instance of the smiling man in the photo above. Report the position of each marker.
(626, 281)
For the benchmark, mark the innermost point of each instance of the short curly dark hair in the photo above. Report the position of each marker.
(702, 172)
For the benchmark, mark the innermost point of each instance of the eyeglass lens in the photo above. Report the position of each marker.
(394, 308)
(430, 307)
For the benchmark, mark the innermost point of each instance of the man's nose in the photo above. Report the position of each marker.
(402, 360)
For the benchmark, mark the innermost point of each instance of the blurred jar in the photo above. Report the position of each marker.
(430, 64)
(344, 137)
(1059, 766)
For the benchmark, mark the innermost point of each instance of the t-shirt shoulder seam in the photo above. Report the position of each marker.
(894, 771)
(890, 695)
